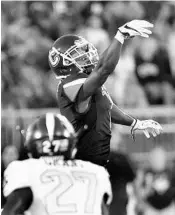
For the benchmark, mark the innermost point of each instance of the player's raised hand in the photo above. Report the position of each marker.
(148, 127)
(136, 28)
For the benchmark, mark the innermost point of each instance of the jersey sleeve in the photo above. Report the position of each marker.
(15, 177)
(72, 88)
(74, 91)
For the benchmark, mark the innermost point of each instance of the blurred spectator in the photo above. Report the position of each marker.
(122, 84)
(29, 29)
(155, 186)
(9, 153)
(70, 15)
(164, 21)
(122, 171)
(117, 13)
(171, 51)
(14, 11)
(153, 72)
(94, 33)
(41, 15)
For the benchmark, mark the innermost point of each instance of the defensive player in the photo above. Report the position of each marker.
(52, 182)
(82, 96)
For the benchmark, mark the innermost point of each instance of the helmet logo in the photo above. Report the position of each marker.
(80, 42)
(54, 58)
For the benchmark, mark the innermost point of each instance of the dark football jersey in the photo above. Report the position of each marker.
(94, 143)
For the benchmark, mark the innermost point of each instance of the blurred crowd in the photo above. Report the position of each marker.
(152, 192)
(144, 76)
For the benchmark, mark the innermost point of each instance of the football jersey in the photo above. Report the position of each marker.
(94, 144)
(59, 188)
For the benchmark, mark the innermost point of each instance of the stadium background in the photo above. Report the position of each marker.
(28, 87)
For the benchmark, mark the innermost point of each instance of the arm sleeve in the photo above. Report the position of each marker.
(18, 201)
(15, 177)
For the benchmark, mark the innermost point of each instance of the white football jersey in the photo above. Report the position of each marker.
(59, 188)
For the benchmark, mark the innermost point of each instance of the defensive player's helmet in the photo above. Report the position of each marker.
(71, 50)
(51, 135)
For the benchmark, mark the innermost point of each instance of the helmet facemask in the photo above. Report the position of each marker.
(82, 54)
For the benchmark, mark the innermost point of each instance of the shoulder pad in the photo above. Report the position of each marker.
(72, 88)
(15, 177)
(97, 168)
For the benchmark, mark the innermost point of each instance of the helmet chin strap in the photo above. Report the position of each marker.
(78, 66)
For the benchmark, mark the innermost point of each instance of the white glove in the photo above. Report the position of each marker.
(147, 126)
(136, 28)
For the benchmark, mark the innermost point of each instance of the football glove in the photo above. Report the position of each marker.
(147, 126)
(136, 28)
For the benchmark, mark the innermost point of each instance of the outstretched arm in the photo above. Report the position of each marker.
(120, 117)
(147, 126)
(106, 65)
(81, 90)
(110, 57)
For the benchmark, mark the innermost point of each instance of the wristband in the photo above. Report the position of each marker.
(119, 36)
(132, 129)
(134, 122)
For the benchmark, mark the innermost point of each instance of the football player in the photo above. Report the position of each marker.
(82, 96)
(52, 182)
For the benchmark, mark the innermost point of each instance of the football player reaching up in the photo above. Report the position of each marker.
(52, 182)
(81, 95)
